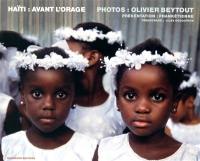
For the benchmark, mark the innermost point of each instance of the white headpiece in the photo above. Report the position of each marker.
(28, 60)
(89, 35)
(194, 81)
(132, 60)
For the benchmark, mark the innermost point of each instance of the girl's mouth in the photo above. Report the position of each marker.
(140, 123)
(47, 120)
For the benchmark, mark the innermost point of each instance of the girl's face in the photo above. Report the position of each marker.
(145, 99)
(47, 96)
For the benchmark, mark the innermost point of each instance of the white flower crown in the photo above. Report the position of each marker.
(131, 60)
(89, 35)
(29, 60)
(194, 81)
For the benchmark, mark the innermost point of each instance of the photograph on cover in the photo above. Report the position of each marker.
(119, 74)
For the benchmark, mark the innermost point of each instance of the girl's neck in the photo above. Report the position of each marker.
(51, 140)
(158, 141)
(93, 93)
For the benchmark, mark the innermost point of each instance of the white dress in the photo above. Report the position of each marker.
(4, 101)
(185, 133)
(97, 122)
(117, 148)
(17, 147)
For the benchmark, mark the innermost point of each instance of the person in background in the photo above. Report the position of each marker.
(95, 113)
(14, 41)
(9, 114)
(184, 125)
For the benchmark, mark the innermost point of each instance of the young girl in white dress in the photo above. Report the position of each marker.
(95, 113)
(47, 88)
(184, 125)
(147, 80)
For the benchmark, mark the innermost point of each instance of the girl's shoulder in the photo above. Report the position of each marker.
(20, 134)
(117, 148)
(79, 147)
(114, 140)
(80, 139)
(13, 138)
(13, 141)
(191, 149)
(113, 147)
(189, 152)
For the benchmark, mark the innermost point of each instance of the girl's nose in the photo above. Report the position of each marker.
(48, 103)
(142, 106)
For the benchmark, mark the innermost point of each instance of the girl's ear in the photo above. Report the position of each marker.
(93, 56)
(174, 109)
(175, 106)
(177, 99)
(22, 100)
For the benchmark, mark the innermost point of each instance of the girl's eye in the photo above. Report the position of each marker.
(158, 97)
(36, 94)
(61, 95)
(130, 96)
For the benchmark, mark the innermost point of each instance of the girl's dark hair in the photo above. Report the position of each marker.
(100, 45)
(14, 39)
(175, 75)
(41, 53)
(189, 91)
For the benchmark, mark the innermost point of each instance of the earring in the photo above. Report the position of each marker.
(73, 106)
(21, 102)
(174, 110)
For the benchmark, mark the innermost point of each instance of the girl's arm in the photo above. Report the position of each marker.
(12, 120)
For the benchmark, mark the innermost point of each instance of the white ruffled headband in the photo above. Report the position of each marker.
(131, 60)
(193, 81)
(28, 60)
(89, 35)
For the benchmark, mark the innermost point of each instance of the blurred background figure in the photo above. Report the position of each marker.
(184, 124)
(11, 42)
(9, 114)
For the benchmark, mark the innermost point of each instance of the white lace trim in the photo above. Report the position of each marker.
(89, 35)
